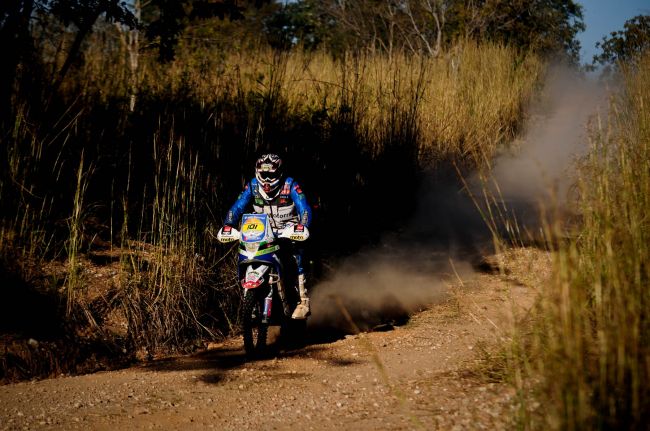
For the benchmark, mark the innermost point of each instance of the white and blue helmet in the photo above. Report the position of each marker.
(268, 172)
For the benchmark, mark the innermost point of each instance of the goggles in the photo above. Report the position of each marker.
(268, 176)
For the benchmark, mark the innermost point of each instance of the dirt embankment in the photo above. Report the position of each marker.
(430, 373)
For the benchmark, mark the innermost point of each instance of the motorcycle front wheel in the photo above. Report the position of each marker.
(254, 329)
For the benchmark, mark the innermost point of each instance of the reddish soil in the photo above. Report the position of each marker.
(431, 373)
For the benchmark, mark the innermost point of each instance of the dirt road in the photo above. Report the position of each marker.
(423, 375)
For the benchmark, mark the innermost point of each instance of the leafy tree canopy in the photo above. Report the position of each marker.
(627, 44)
(84, 13)
(166, 20)
(546, 26)
(295, 23)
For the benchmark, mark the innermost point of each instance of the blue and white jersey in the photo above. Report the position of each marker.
(288, 206)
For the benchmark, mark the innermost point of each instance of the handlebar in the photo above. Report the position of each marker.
(297, 232)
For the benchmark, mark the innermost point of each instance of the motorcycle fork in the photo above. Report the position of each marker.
(268, 304)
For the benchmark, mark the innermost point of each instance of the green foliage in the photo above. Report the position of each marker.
(84, 13)
(376, 25)
(295, 23)
(546, 26)
(165, 20)
(625, 45)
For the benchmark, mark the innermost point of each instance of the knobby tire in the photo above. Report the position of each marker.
(254, 341)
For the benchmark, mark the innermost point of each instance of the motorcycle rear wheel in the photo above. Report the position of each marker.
(254, 330)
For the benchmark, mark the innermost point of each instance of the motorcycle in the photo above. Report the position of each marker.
(268, 275)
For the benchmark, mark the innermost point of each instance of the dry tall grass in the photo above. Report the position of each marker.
(165, 168)
(591, 343)
(465, 103)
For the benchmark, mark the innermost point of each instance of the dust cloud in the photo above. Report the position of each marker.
(411, 267)
(378, 290)
(539, 168)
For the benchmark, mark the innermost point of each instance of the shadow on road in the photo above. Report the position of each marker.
(217, 362)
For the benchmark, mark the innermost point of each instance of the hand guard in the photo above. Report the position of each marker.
(228, 234)
(296, 232)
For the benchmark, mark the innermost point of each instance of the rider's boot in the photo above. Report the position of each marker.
(302, 310)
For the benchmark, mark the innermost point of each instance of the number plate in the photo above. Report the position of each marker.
(253, 227)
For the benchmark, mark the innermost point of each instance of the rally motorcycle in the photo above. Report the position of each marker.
(268, 274)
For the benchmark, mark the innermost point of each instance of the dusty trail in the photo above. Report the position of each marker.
(425, 375)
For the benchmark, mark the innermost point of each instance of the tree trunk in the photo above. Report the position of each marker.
(131, 40)
(83, 32)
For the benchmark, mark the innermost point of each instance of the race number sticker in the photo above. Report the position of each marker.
(253, 228)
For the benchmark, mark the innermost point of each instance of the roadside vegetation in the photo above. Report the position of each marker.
(127, 131)
(603, 275)
(152, 184)
(581, 361)
(124, 144)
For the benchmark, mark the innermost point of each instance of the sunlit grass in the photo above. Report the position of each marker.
(463, 104)
(175, 160)
(591, 345)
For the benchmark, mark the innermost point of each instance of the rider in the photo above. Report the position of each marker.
(283, 200)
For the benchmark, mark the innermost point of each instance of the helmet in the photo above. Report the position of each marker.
(268, 171)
